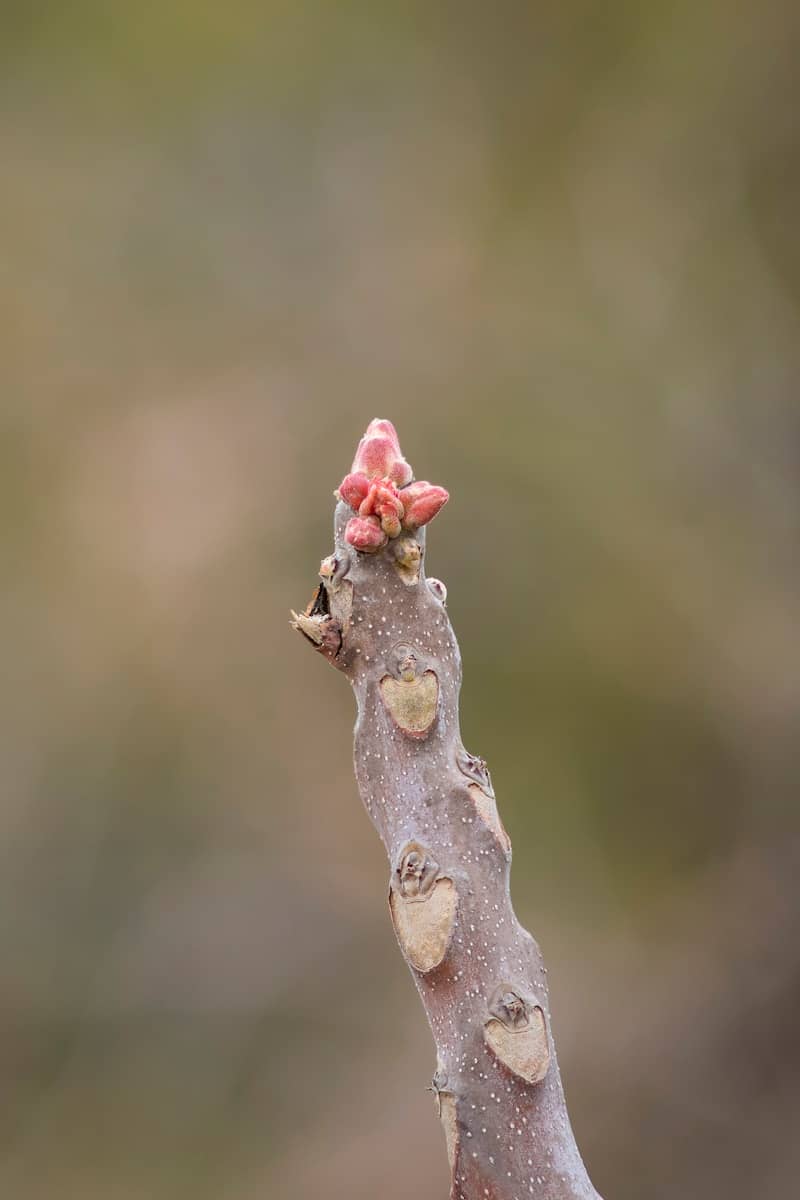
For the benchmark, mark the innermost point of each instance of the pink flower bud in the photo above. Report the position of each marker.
(383, 428)
(365, 534)
(382, 496)
(387, 505)
(400, 472)
(353, 489)
(379, 455)
(422, 501)
(367, 506)
(375, 456)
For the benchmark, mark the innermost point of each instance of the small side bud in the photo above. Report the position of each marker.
(407, 555)
(422, 501)
(475, 768)
(508, 1006)
(365, 534)
(438, 589)
(404, 662)
(390, 524)
(353, 490)
(416, 871)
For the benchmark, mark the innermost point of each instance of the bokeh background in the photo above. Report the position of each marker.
(557, 245)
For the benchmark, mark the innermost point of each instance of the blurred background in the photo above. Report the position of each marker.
(557, 246)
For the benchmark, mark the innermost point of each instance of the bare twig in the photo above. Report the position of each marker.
(480, 975)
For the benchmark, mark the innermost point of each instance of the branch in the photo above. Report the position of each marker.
(478, 972)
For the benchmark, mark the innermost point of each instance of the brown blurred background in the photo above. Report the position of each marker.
(557, 246)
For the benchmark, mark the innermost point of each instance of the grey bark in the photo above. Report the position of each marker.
(479, 974)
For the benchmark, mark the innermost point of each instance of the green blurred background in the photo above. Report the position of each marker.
(557, 246)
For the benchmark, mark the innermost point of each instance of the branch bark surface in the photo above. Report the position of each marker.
(479, 974)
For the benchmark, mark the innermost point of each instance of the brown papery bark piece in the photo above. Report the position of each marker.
(479, 974)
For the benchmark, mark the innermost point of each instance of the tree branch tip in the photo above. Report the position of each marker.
(381, 491)
(479, 973)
